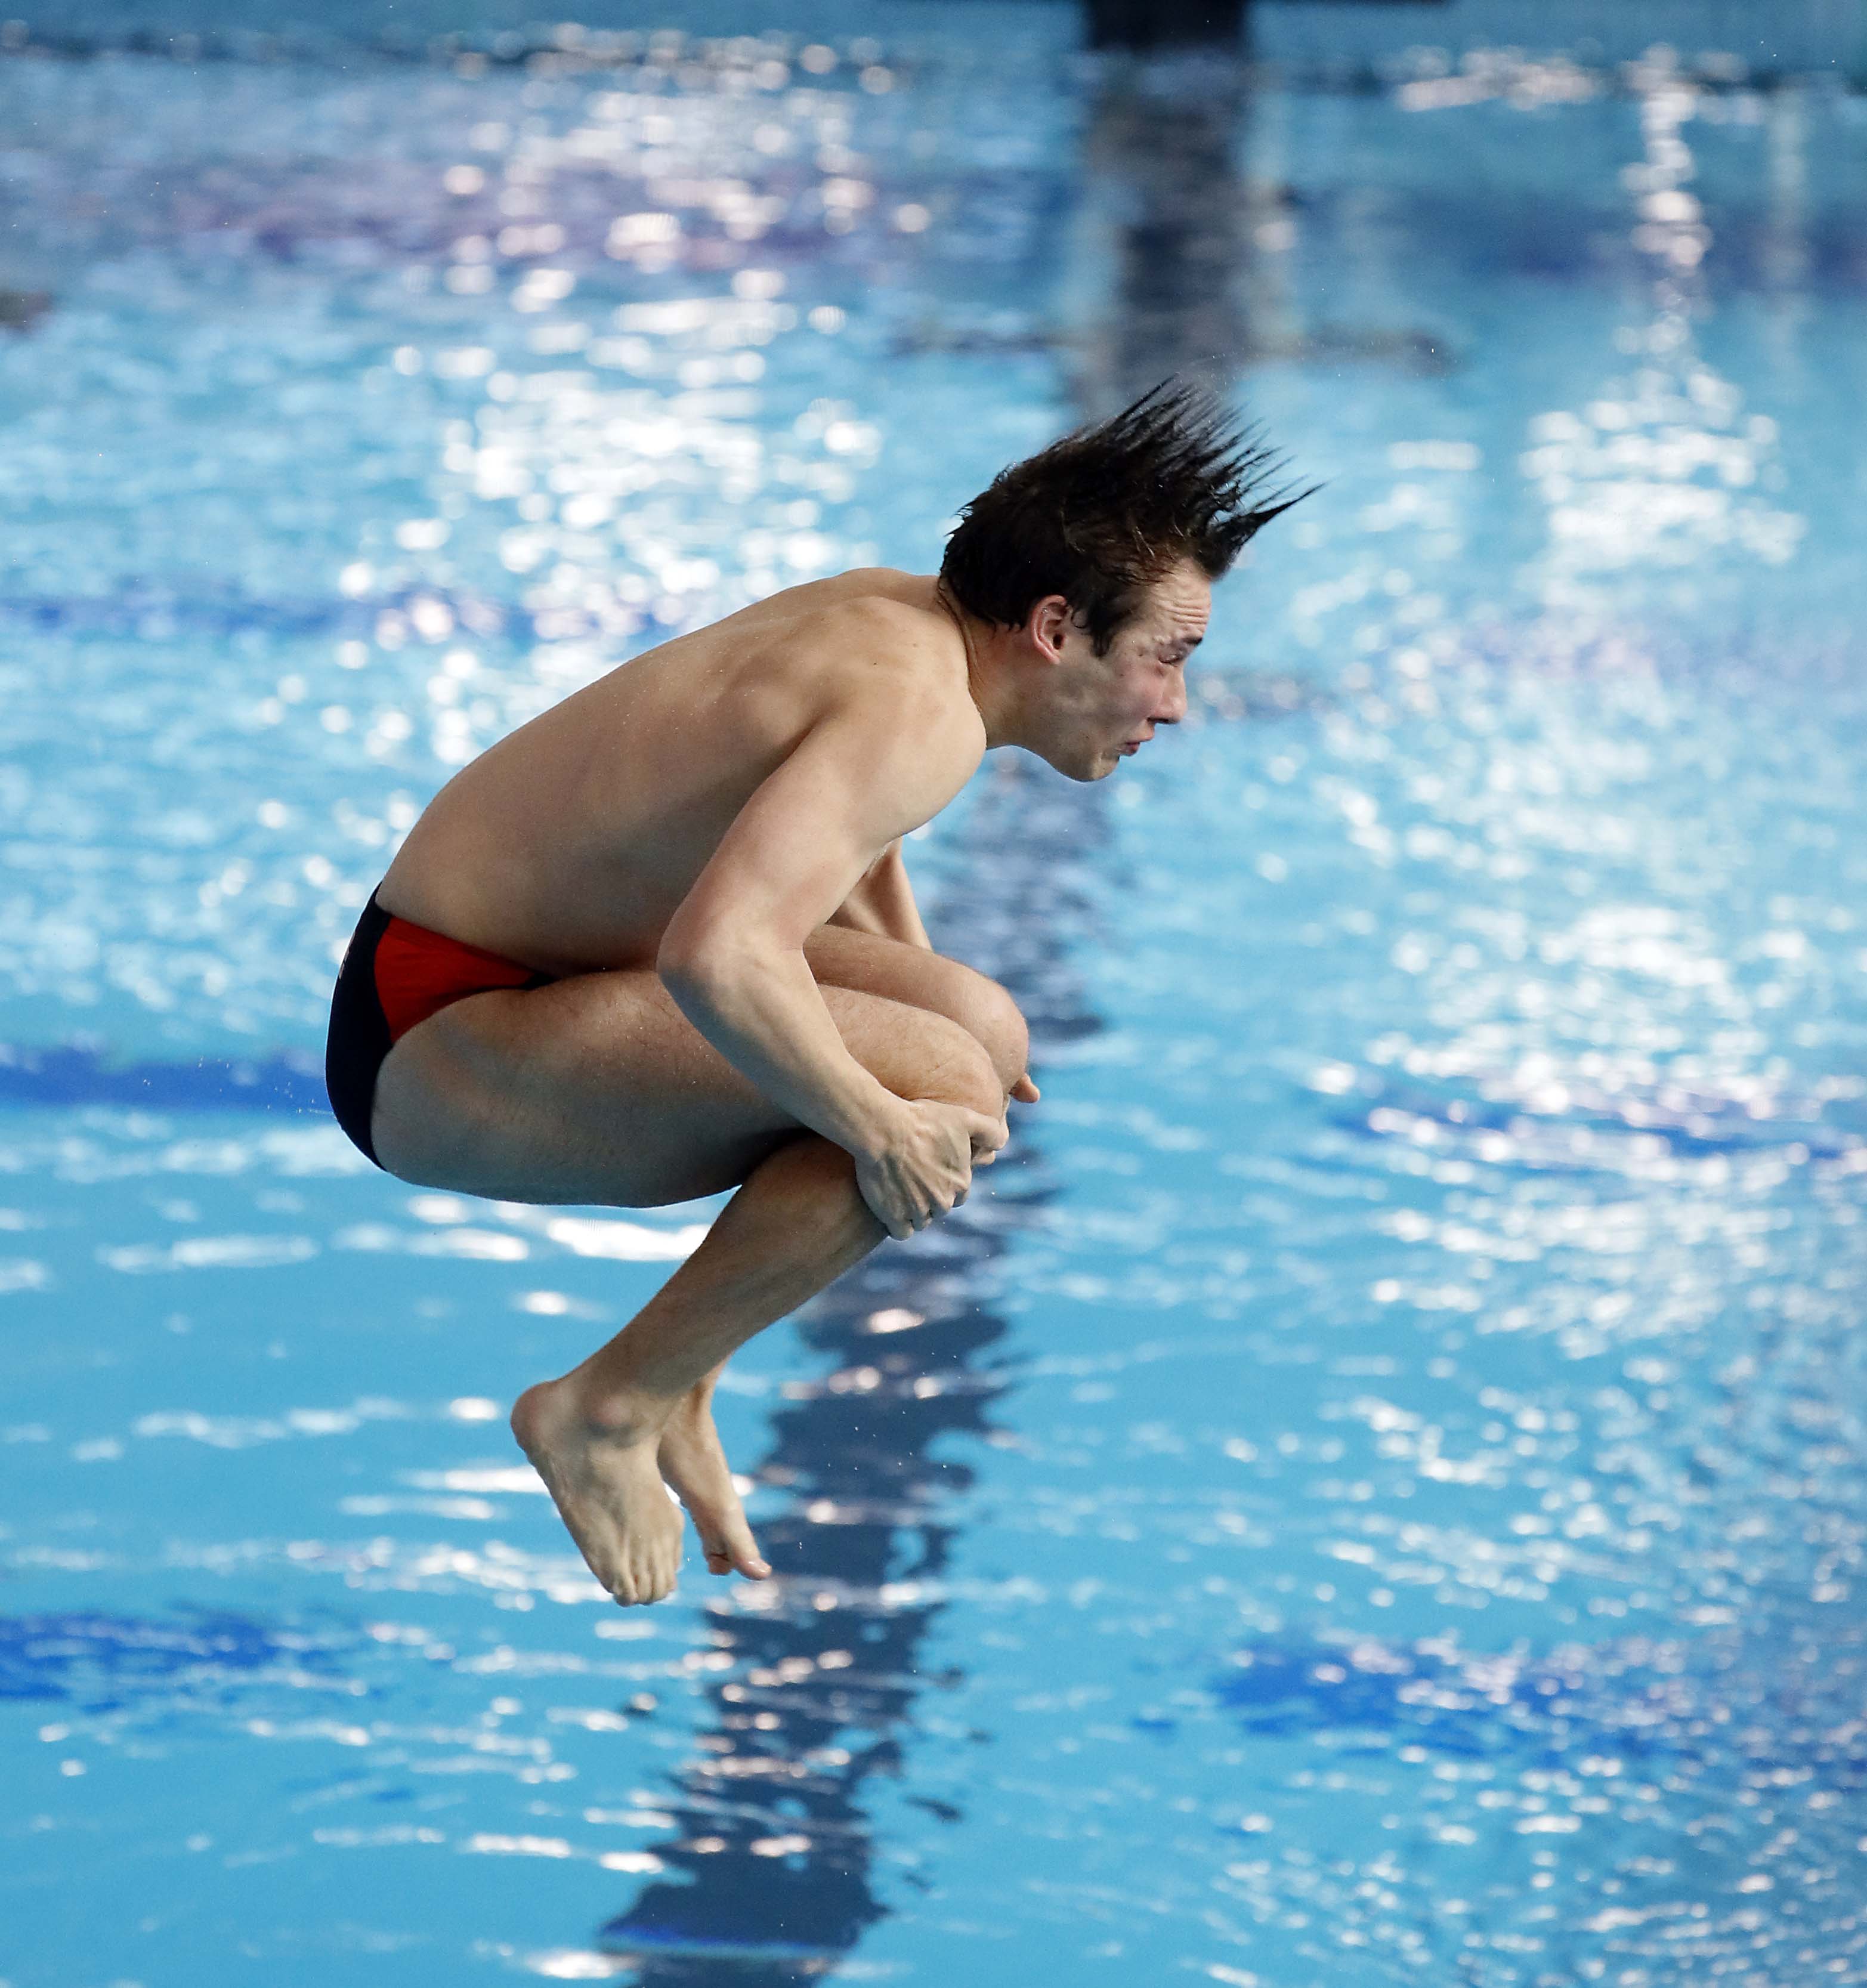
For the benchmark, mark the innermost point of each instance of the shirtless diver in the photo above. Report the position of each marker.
(659, 941)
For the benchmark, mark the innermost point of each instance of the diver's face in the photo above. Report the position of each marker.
(1105, 708)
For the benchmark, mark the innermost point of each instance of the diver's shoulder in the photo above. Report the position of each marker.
(872, 635)
(882, 614)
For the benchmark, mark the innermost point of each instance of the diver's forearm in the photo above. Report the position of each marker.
(883, 903)
(902, 913)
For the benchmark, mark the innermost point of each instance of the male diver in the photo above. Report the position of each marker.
(659, 941)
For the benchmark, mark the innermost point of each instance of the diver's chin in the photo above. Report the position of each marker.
(1097, 766)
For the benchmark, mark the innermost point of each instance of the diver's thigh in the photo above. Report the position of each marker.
(867, 962)
(598, 1089)
(871, 964)
(595, 1088)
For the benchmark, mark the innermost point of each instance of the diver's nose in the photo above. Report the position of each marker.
(1172, 707)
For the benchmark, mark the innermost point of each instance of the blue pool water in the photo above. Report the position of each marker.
(1375, 1494)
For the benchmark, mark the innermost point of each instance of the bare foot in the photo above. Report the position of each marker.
(695, 1468)
(599, 1469)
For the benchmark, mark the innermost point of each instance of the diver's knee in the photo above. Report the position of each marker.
(995, 1021)
(962, 1072)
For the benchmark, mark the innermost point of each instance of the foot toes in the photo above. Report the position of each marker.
(713, 1546)
(743, 1550)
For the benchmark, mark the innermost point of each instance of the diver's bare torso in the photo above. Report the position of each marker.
(570, 844)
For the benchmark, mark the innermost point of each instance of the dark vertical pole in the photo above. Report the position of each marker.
(1163, 24)
(1160, 163)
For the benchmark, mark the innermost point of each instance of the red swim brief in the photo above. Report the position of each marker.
(394, 975)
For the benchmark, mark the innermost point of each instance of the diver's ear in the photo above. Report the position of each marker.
(1045, 625)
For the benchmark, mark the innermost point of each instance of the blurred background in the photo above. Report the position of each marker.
(1374, 1493)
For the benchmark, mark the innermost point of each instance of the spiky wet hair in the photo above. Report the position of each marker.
(1098, 515)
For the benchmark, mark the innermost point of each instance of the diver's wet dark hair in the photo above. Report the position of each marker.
(1097, 516)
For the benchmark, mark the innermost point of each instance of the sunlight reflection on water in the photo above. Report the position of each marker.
(1374, 1493)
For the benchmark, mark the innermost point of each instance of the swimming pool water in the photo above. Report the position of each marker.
(1374, 1493)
